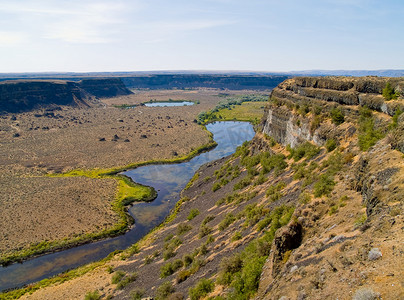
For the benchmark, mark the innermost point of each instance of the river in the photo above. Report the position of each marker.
(168, 180)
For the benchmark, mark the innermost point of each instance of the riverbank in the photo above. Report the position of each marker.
(127, 193)
(38, 143)
(223, 149)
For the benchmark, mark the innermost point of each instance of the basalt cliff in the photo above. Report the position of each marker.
(24, 95)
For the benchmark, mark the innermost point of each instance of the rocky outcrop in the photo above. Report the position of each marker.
(22, 95)
(343, 90)
(286, 118)
(104, 88)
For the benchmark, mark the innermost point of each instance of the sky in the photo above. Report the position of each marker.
(245, 35)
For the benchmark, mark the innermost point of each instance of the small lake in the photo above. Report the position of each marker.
(168, 180)
(168, 103)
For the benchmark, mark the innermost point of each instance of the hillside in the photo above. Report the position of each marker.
(25, 95)
(311, 208)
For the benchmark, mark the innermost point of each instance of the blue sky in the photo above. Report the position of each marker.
(257, 35)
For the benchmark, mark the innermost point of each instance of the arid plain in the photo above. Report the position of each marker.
(36, 207)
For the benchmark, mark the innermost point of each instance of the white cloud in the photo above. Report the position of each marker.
(9, 38)
(85, 21)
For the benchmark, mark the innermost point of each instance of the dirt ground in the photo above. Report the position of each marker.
(39, 142)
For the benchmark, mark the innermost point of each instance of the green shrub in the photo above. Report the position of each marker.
(323, 186)
(137, 294)
(394, 122)
(126, 280)
(183, 275)
(168, 237)
(316, 109)
(333, 209)
(207, 219)
(274, 162)
(337, 116)
(330, 145)
(360, 220)
(165, 290)
(191, 182)
(305, 149)
(368, 134)
(304, 197)
(260, 180)
(170, 268)
(250, 161)
(207, 178)
(273, 192)
(187, 259)
(203, 250)
(193, 213)
(230, 218)
(389, 93)
(201, 289)
(242, 151)
(204, 230)
(236, 236)
(216, 186)
(236, 172)
(116, 278)
(169, 252)
(183, 228)
(148, 259)
(264, 223)
(95, 295)
(210, 239)
(253, 213)
(243, 183)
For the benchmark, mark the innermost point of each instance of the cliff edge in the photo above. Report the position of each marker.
(25, 95)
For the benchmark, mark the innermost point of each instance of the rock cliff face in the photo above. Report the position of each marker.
(104, 88)
(343, 90)
(301, 94)
(17, 96)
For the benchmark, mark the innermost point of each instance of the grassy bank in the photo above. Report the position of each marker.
(124, 254)
(248, 111)
(127, 193)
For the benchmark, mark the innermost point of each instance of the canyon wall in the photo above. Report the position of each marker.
(24, 95)
(302, 94)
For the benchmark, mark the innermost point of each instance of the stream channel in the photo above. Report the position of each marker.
(168, 180)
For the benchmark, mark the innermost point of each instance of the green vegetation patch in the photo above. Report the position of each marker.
(201, 289)
(389, 93)
(337, 116)
(242, 271)
(242, 108)
(305, 150)
(368, 134)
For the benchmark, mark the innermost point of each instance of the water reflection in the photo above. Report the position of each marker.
(168, 180)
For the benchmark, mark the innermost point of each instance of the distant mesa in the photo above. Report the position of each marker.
(25, 95)
(22, 94)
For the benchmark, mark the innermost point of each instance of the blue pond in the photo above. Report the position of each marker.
(169, 103)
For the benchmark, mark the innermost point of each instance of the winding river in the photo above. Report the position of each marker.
(168, 180)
